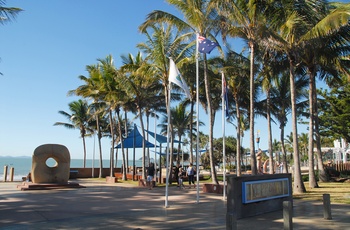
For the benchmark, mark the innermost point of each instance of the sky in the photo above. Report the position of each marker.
(45, 50)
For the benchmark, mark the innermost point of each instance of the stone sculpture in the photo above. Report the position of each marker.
(42, 173)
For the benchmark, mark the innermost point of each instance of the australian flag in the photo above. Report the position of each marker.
(205, 45)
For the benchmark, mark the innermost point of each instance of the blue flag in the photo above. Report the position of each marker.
(205, 45)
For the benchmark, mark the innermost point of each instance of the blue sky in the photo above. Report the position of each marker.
(45, 50)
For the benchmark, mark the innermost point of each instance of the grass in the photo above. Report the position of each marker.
(339, 192)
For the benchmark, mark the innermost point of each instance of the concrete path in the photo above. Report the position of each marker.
(121, 206)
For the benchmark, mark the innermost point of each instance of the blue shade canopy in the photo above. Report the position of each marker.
(160, 138)
(134, 140)
(164, 154)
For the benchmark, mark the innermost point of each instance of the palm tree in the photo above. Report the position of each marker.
(113, 94)
(163, 42)
(181, 120)
(297, 24)
(236, 69)
(79, 119)
(246, 20)
(280, 99)
(91, 89)
(189, 73)
(7, 14)
(276, 146)
(325, 52)
(273, 63)
(142, 86)
(202, 19)
(304, 146)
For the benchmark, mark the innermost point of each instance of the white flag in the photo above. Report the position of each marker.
(176, 78)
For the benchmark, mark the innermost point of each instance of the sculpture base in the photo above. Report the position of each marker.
(111, 180)
(45, 186)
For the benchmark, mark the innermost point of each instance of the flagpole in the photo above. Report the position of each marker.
(167, 149)
(223, 133)
(197, 110)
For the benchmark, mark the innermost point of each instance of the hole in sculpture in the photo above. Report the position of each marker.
(50, 162)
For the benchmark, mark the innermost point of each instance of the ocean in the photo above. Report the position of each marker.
(23, 165)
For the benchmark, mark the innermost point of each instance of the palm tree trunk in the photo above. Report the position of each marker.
(84, 146)
(284, 153)
(251, 112)
(298, 182)
(211, 123)
(269, 133)
(238, 150)
(322, 174)
(99, 145)
(191, 131)
(147, 138)
(123, 166)
(127, 150)
(143, 144)
(312, 177)
(171, 160)
(112, 144)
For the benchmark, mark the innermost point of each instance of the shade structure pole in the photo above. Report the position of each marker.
(197, 111)
(160, 164)
(155, 146)
(133, 160)
(167, 149)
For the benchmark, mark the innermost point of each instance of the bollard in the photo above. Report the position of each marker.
(287, 215)
(327, 215)
(12, 173)
(5, 173)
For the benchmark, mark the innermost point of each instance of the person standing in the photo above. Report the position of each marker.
(190, 175)
(150, 175)
(176, 173)
(180, 176)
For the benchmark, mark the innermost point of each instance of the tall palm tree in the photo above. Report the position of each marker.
(325, 53)
(163, 41)
(91, 89)
(79, 119)
(189, 73)
(298, 23)
(199, 18)
(113, 94)
(280, 99)
(246, 20)
(273, 64)
(236, 69)
(143, 87)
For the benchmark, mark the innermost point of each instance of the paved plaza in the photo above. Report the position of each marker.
(121, 206)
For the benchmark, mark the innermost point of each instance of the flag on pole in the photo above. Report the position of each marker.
(224, 94)
(205, 45)
(176, 78)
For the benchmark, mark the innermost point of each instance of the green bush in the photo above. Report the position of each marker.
(306, 177)
(345, 174)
